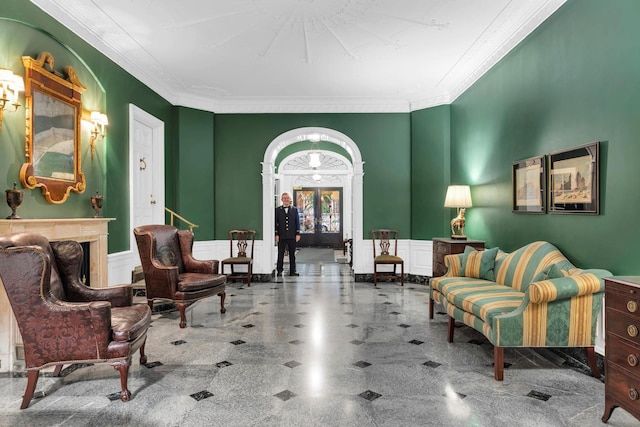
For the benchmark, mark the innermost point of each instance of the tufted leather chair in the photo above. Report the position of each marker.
(63, 321)
(171, 272)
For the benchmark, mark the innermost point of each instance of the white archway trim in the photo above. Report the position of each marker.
(268, 183)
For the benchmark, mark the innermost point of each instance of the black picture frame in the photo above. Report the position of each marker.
(528, 182)
(574, 180)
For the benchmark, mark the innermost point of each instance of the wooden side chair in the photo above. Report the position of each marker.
(243, 241)
(61, 320)
(383, 239)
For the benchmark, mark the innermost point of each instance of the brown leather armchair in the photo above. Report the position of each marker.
(61, 320)
(171, 272)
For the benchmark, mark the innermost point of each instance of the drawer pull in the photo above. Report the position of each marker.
(632, 360)
(632, 330)
(633, 394)
(632, 306)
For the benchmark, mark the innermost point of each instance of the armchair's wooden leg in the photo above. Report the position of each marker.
(32, 380)
(498, 363)
(591, 358)
(430, 308)
(122, 366)
(402, 273)
(182, 307)
(150, 304)
(222, 296)
(249, 272)
(452, 324)
(57, 370)
(143, 357)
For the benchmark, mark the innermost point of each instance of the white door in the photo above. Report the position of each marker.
(146, 142)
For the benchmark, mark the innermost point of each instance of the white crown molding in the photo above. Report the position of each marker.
(544, 11)
(82, 20)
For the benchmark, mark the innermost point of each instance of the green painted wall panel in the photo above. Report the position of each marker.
(195, 182)
(241, 140)
(430, 139)
(574, 80)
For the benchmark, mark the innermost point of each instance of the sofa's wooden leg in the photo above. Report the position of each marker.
(222, 296)
(591, 358)
(32, 380)
(430, 308)
(122, 366)
(452, 324)
(498, 363)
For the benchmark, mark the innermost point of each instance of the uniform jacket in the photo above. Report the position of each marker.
(287, 225)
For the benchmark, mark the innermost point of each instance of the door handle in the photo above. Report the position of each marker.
(153, 202)
(143, 163)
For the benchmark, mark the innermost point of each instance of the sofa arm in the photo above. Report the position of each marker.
(565, 287)
(453, 264)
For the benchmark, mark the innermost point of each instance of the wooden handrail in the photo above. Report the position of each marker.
(173, 214)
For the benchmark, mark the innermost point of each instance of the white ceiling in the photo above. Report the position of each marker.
(231, 56)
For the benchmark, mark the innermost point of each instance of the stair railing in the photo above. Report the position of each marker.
(186, 221)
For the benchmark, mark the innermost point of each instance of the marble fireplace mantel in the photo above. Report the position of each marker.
(91, 230)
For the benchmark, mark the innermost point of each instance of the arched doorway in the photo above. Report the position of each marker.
(268, 185)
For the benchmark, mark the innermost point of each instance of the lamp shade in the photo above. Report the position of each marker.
(458, 196)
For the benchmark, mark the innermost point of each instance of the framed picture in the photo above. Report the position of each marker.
(528, 185)
(574, 180)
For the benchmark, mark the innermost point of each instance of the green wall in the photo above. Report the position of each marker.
(384, 141)
(575, 80)
(26, 30)
(430, 139)
(195, 199)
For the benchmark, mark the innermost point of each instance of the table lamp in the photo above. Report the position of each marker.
(458, 196)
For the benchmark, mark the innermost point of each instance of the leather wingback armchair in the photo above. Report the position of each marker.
(61, 320)
(171, 272)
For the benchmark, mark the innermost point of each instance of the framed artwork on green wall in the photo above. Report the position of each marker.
(528, 178)
(574, 180)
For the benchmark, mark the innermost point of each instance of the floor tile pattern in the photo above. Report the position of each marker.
(315, 350)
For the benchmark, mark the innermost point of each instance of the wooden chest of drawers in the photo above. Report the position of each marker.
(622, 345)
(443, 247)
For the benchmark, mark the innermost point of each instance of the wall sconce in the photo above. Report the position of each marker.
(458, 196)
(10, 87)
(99, 121)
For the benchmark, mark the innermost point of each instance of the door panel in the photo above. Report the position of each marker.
(320, 211)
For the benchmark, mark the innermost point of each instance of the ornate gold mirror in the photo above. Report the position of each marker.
(53, 108)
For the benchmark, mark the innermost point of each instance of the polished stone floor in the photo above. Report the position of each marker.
(316, 350)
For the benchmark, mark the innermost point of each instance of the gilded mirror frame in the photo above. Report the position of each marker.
(53, 123)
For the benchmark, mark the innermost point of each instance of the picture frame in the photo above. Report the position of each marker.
(52, 135)
(574, 180)
(528, 182)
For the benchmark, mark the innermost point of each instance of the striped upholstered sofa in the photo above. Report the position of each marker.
(532, 297)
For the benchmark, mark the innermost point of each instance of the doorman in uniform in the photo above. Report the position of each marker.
(287, 234)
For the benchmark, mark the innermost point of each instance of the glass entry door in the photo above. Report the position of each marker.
(320, 211)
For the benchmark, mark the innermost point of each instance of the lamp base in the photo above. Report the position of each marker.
(459, 237)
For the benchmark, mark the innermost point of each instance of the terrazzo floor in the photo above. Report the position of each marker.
(316, 350)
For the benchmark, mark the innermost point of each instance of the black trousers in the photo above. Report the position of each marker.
(282, 244)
